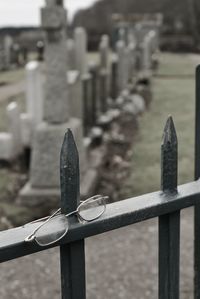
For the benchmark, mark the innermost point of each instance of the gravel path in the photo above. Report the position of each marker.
(120, 264)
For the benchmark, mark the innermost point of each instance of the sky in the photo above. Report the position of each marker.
(26, 12)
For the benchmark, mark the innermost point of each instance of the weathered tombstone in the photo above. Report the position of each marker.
(2, 59)
(8, 41)
(93, 69)
(80, 38)
(87, 102)
(122, 65)
(71, 56)
(147, 52)
(10, 142)
(34, 102)
(34, 92)
(14, 127)
(40, 50)
(16, 54)
(104, 51)
(103, 89)
(75, 93)
(132, 59)
(114, 77)
(44, 174)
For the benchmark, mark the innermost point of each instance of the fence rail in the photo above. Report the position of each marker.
(165, 204)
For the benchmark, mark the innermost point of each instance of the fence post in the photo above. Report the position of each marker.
(72, 256)
(197, 176)
(169, 225)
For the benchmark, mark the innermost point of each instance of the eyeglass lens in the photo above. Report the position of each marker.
(58, 226)
(92, 209)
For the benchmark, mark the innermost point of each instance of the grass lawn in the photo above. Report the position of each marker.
(174, 96)
(12, 76)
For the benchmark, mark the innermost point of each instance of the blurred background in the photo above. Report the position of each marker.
(112, 71)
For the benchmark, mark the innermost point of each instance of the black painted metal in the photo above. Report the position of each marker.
(72, 255)
(169, 158)
(118, 214)
(169, 224)
(197, 175)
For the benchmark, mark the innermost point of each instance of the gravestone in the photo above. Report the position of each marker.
(147, 54)
(71, 56)
(8, 41)
(10, 142)
(43, 188)
(34, 102)
(104, 51)
(80, 38)
(14, 128)
(34, 92)
(123, 67)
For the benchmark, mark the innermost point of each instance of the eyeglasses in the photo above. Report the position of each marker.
(89, 210)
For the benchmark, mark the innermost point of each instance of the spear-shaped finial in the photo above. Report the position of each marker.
(169, 158)
(69, 174)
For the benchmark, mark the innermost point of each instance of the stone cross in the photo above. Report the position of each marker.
(54, 23)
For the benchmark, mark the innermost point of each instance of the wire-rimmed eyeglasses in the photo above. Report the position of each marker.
(89, 210)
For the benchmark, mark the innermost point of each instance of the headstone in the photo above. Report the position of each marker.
(87, 102)
(34, 92)
(75, 94)
(2, 60)
(80, 38)
(103, 90)
(114, 77)
(14, 127)
(94, 69)
(8, 41)
(6, 147)
(104, 51)
(132, 59)
(44, 173)
(147, 52)
(71, 56)
(40, 50)
(122, 65)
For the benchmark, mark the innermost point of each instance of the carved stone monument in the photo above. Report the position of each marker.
(44, 184)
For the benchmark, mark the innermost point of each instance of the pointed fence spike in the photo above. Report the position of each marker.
(169, 134)
(69, 174)
(169, 159)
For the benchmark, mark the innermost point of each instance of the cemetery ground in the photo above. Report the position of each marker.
(127, 171)
(128, 257)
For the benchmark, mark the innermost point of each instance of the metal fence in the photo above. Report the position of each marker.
(165, 204)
